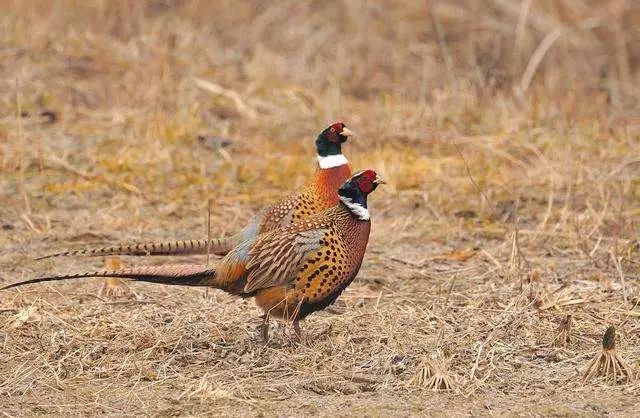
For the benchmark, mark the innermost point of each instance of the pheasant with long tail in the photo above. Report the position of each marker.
(291, 271)
(315, 197)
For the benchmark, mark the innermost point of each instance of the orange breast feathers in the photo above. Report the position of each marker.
(280, 302)
(329, 180)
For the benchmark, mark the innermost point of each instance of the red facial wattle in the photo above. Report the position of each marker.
(334, 132)
(365, 181)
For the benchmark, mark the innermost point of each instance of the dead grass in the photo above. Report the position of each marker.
(607, 363)
(508, 131)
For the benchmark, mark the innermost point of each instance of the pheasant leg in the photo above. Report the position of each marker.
(296, 329)
(265, 327)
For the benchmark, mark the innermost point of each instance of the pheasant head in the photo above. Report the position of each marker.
(329, 145)
(353, 193)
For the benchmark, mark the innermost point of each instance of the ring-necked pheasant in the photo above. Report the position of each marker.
(291, 271)
(316, 196)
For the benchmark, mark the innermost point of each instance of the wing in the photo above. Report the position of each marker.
(275, 258)
(279, 214)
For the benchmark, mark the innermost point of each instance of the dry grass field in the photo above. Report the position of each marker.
(508, 133)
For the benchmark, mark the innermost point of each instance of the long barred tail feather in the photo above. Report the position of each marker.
(173, 274)
(217, 246)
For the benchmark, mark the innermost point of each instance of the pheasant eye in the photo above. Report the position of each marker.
(365, 184)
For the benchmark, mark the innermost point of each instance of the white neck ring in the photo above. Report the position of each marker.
(331, 161)
(358, 210)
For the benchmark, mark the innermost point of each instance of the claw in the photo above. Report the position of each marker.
(114, 288)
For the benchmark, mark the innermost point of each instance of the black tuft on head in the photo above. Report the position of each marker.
(359, 186)
(330, 140)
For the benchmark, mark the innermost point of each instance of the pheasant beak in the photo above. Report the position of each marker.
(379, 181)
(346, 132)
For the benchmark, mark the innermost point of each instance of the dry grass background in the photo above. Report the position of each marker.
(508, 131)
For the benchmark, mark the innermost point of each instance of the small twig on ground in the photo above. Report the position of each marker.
(434, 374)
(209, 203)
(536, 59)
(473, 181)
(607, 363)
(92, 177)
(563, 335)
(616, 262)
(240, 104)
